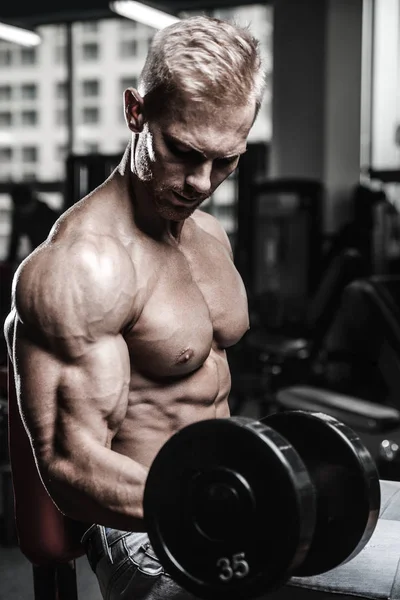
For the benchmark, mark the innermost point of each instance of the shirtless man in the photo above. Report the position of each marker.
(121, 318)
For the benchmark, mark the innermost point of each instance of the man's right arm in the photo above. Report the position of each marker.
(72, 372)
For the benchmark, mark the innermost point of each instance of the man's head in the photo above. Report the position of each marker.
(199, 93)
(204, 59)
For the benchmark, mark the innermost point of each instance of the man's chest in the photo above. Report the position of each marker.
(213, 273)
(194, 297)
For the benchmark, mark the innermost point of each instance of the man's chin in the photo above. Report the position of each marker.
(171, 208)
(173, 213)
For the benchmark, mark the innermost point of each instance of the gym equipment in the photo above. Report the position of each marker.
(233, 508)
(362, 415)
(365, 337)
(85, 172)
(388, 461)
(273, 360)
(368, 208)
(346, 482)
(252, 166)
(280, 243)
(212, 517)
(304, 343)
(48, 539)
(373, 573)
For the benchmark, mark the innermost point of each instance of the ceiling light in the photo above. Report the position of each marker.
(18, 35)
(143, 14)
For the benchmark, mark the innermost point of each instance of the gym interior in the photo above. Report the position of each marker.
(312, 212)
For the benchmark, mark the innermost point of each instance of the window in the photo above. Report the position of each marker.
(90, 115)
(127, 25)
(90, 88)
(91, 148)
(380, 92)
(61, 116)
(5, 57)
(5, 93)
(61, 152)
(128, 48)
(126, 82)
(90, 26)
(29, 91)
(28, 56)
(59, 30)
(29, 154)
(6, 176)
(90, 51)
(5, 119)
(29, 175)
(61, 90)
(29, 117)
(60, 54)
(6, 154)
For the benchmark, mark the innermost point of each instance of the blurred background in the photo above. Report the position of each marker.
(312, 212)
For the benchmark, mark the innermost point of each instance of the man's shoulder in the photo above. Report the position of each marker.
(74, 277)
(90, 252)
(212, 226)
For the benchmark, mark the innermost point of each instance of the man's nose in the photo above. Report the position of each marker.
(199, 177)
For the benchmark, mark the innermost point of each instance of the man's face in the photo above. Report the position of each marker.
(183, 159)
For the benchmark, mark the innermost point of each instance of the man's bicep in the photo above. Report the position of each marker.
(66, 404)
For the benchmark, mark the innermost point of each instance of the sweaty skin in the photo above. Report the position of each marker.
(118, 334)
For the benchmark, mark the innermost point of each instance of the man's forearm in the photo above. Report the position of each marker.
(101, 486)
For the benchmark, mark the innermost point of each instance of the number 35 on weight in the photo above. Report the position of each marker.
(236, 567)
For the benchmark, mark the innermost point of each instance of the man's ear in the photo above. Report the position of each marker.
(134, 110)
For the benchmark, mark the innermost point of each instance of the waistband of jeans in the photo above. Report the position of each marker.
(94, 541)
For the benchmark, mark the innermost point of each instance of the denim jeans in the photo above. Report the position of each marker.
(127, 568)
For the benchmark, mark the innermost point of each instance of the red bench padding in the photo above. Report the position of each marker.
(45, 535)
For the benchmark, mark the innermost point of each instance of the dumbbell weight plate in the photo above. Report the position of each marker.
(229, 508)
(346, 482)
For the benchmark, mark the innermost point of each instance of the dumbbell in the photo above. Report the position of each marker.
(235, 507)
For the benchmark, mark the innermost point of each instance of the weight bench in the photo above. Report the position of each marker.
(51, 543)
(372, 574)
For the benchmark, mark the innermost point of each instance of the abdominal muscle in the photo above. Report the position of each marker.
(158, 409)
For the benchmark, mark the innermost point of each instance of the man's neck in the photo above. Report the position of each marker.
(147, 217)
(144, 210)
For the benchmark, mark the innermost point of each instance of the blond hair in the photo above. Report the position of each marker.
(204, 58)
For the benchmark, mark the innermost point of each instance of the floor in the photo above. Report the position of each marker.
(16, 577)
